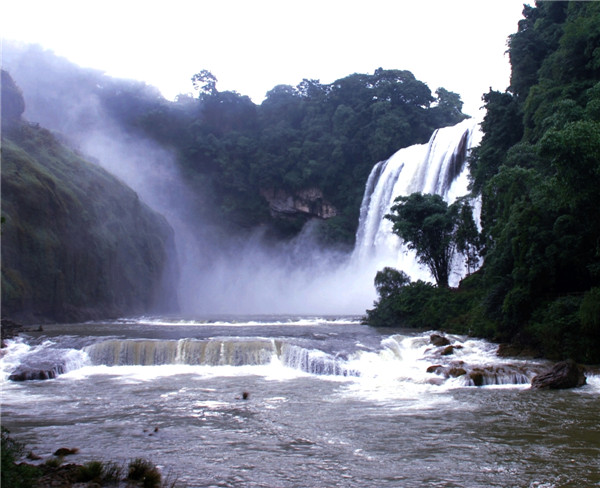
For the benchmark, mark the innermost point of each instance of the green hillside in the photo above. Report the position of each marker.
(76, 242)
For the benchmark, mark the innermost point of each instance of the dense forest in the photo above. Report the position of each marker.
(315, 142)
(537, 171)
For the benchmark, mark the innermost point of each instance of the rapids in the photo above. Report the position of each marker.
(330, 402)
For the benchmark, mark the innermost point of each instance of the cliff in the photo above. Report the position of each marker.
(76, 242)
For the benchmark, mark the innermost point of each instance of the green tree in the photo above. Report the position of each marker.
(205, 82)
(390, 281)
(436, 231)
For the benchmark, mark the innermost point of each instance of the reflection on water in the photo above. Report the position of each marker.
(389, 426)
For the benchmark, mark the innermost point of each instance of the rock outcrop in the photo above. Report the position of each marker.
(565, 374)
(309, 202)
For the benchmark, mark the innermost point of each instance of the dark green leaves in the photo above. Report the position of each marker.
(436, 231)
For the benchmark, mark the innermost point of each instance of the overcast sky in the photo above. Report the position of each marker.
(253, 45)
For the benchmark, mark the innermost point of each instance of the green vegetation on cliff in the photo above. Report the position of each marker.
(538, 172)
(76, 242)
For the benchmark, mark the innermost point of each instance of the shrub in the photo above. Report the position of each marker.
(105, 473)
(144, 471)
(15, 475)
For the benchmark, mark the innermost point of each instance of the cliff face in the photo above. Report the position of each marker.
(76, 242)
(308, 202)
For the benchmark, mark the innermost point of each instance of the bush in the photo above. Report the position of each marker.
(15, 475)
(99, 472)
(144, 471)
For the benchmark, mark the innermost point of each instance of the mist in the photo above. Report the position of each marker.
(216, 273)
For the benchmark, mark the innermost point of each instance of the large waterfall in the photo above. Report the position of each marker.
(436, 167)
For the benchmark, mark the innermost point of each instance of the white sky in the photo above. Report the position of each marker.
(253, 45)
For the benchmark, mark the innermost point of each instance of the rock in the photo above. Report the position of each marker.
(565, 374)
(9, 330)
(309, 202)
(456, 372)
(66, 451)
(438, 340)
(476, 377)
(436, 368)
(22, 374)
(41, 365)
(450, 349)
(447, 372)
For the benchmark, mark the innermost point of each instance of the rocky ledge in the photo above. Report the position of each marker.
(309, 202)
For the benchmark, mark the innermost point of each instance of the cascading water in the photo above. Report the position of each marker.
(437, 167)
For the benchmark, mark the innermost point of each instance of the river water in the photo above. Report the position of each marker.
(329, 403)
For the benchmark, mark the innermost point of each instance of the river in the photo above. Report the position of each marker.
(275, 401)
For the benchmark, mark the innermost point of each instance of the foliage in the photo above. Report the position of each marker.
(12, 474)
(539, 185)
(537, 170)
(424, 306)
(104, 473)
(390, 281)
(76, 242)
(436, 231)
(145, 472)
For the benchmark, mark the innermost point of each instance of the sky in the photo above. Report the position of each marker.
(253, 45)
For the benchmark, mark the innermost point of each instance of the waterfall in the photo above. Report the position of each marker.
(436, 167)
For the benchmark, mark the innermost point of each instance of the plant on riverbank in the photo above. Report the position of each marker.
(145, 472)
(99, 472)
(15, 475)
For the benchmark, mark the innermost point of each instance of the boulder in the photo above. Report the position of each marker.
(438, 340)
(477, 377)
(66, 451)
(436, 368)
(565, 374)
(456, 372)
(42, 365)
(309, 202)
(450, 349)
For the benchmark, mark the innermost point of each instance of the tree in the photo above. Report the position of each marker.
(390, 281)
(205, 82)
(435, 231)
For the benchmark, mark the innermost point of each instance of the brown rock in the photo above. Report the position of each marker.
(436, 368)
(66, 451)
(438, 340)
(456, 372)
(565, 374)
(476, 377)
(450, 349)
